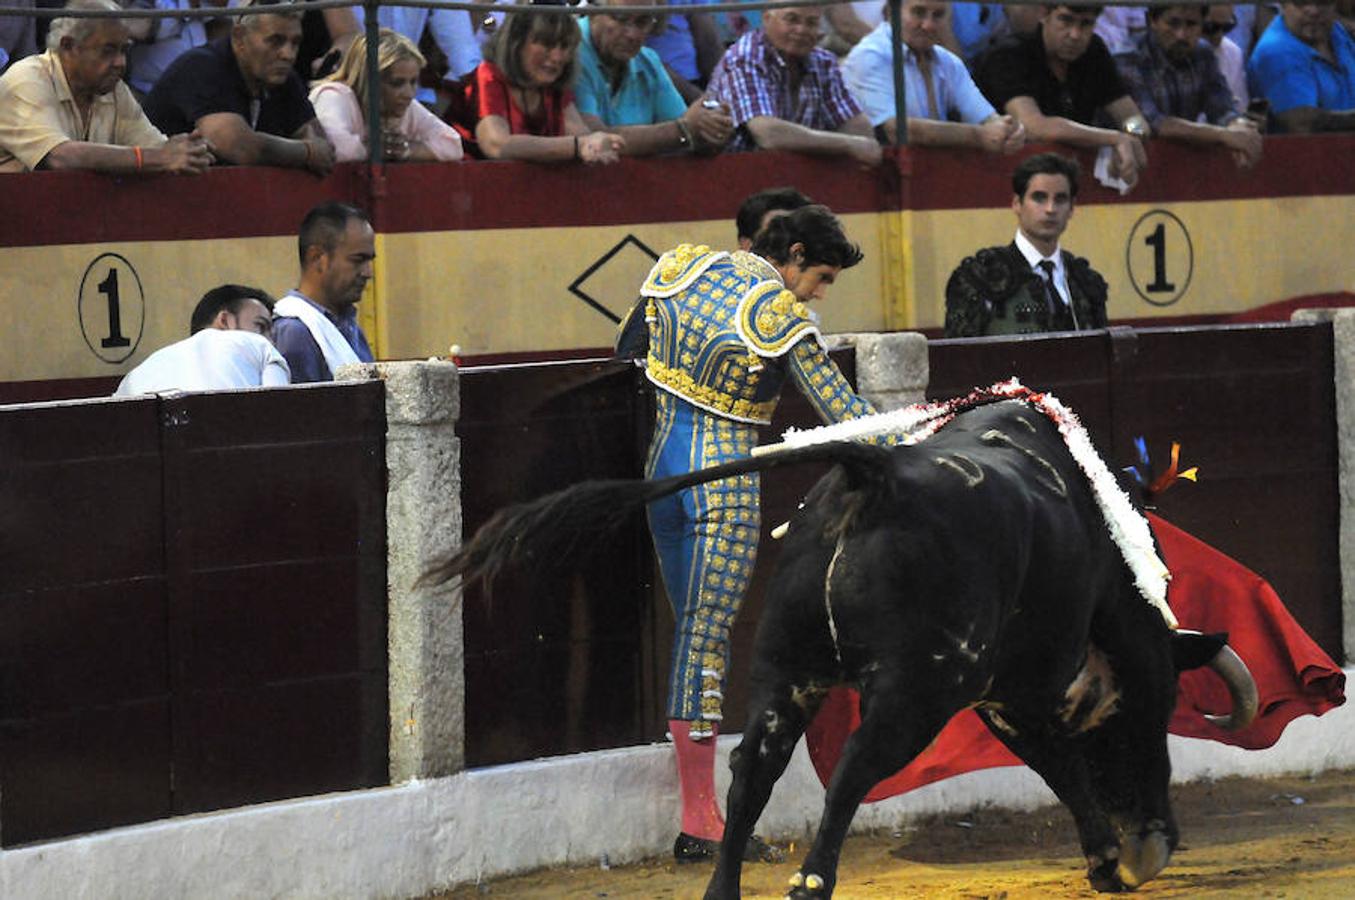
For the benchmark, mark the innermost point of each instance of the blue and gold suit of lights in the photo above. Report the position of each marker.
(723, 335)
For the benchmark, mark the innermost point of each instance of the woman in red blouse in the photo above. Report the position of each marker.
(519, 103)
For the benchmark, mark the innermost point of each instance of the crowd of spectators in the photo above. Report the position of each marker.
(283, 88)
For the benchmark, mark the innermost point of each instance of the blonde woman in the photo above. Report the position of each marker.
(408, 130)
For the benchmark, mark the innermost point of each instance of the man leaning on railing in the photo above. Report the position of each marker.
(68, 108)
(787, 93)
(242, 93)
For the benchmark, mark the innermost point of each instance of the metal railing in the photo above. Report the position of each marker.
(372, 30)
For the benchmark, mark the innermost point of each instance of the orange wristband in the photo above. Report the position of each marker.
(139, 160)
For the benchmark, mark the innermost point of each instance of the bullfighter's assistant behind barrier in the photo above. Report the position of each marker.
(720, 334)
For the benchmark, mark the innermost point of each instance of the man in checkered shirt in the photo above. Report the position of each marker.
(787, 93)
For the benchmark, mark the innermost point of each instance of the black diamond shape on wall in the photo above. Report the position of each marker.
(576, 286)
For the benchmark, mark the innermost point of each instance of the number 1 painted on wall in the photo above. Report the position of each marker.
(109, 288)
(1158, 241)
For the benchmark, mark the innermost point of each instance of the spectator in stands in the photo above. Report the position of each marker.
(688, 43)
(1219, 19)
(325, 35)
(1121, 27)
(1055, 81)
(242, 93)
(1032, 284)
(1304, 65)
(945, 107)
(1174, 79)
(786, 93)
(519, 104)
(1252, 21)
(18, 35)
(760, 208)
(69, 109)
(623, 88)
(165, 40)
(451, 30)
(408, 130)
(317, 324)
(847, 24)
(1022, 18)
(228, 348)
(975, 28)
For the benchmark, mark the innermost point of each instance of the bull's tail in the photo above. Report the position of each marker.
(550, 528)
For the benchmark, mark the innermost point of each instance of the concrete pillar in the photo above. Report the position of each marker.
(423, 520)
(891, 368)
(1343, 333)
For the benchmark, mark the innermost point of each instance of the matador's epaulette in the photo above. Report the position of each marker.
(678, 268)
(770, 320)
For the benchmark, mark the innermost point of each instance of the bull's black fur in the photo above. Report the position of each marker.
(973, 569)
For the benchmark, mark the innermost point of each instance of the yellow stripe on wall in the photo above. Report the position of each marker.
(508, 290)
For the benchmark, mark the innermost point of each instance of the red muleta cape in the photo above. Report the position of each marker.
(1209, 592)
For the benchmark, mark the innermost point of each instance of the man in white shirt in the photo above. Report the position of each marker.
(1032, 284)
(229, 348)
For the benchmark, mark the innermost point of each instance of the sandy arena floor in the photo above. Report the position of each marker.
(1240, 838)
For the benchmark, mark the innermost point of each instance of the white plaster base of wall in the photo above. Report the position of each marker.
(409, 840)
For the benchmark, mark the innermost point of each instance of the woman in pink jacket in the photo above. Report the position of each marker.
(408, 130)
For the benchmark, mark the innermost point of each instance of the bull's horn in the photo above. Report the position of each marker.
(1241, 687)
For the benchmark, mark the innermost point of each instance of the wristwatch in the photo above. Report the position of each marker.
(1136, 126)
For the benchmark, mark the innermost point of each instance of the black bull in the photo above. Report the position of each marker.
(974, 569)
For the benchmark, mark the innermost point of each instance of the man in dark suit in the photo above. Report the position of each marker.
(1030, 285)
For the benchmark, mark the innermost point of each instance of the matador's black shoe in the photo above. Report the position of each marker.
(688, 849)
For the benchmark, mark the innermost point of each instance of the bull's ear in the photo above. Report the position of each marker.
(1191, 649)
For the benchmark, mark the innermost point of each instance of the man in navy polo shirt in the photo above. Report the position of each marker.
(1304, 65)
(243, 95)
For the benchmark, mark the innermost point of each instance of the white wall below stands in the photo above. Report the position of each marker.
(425, 835)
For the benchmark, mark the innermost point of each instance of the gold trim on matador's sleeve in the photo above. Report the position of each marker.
(678, 268)
(771, 320)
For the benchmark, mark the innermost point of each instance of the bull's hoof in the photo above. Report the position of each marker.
(807, 887)
(1103, 874)
(1142, 858)
(689, 849)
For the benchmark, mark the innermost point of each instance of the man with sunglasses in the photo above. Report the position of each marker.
(1056, 80)
(1174, 79)
(623, 87)
(1219, 20)
(1304, 65)
(787, 93)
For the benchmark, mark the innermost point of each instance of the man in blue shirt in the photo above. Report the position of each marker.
(1304, 65)
(939, 87)
(622, 87)
(316, 328)
(689, 45)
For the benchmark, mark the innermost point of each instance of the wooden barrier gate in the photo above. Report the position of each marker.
(192, 610)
